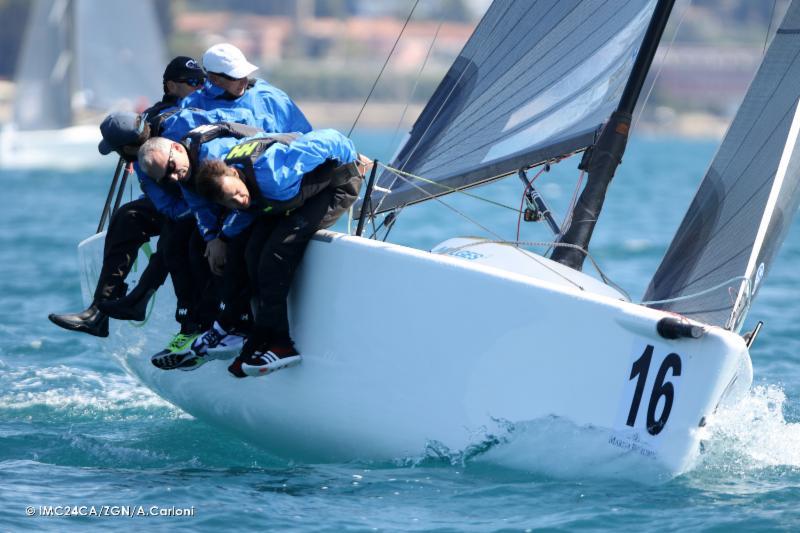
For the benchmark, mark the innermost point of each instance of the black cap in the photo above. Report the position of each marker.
(183, 68)
(119, 129)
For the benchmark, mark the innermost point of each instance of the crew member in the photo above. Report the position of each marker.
(228, 86)
(134, 222)
(290, 191)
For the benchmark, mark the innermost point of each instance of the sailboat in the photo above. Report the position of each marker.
(80, 59)
(406, 349)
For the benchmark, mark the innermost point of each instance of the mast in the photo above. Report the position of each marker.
(602, 159)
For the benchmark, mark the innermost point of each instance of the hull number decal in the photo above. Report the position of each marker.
(661, 389)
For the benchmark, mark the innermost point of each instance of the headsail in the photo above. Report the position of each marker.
(535, 81)
(745, 204)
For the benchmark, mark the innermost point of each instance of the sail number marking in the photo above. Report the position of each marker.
(661, 389)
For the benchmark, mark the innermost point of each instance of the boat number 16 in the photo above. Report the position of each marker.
(661, 389)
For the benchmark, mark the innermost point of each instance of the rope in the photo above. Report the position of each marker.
(416, 83)
(516, 244)
(701, 293)
(660, 67)
(403, 174)
(769, 27)
(375, 84)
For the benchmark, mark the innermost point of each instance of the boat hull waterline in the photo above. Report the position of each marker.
(468, 346)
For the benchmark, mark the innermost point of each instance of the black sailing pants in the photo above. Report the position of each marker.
(277, 245)
(131, 226)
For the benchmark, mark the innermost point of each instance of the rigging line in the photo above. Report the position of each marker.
(487, 230)
(402, 173)
(416, 83)
(594, 263)
(375, 84)
(660, 67)
(769, 27)
(701, 293)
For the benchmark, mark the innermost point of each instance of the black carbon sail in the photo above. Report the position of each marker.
(744, 207)
(535, 81)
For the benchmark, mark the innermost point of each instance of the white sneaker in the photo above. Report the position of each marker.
(216, 343)
(229, 346)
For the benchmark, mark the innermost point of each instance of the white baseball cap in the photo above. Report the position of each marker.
(227, 59)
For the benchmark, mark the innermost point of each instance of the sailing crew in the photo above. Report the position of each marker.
(172, 163)
(134, 222)
(289, 190)
(227, 86)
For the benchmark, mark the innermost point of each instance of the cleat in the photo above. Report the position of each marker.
(263, 362)
(91, 321)
(177, 354)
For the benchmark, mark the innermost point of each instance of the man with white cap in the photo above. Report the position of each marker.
(228, 85)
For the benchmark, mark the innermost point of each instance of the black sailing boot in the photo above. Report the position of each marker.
(91, 321)
(130, 307)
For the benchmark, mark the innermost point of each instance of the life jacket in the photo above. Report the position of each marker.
(196, 137)
(245, 154)
(155, 115)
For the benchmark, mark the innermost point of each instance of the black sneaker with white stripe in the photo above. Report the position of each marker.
(269, 359)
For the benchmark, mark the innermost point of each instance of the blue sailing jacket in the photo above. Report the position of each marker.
(168, 200)
(273, 108)
(280, 169)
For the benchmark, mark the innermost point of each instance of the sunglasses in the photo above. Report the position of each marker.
(170, 169)
(229, 78)
(192, 82)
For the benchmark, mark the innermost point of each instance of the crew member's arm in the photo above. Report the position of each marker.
(170, 205)
(286, 116)
(286, 165)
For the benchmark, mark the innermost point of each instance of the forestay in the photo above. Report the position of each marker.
(745, 204)
(535, 81)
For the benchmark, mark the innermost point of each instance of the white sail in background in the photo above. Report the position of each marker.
(80, 60)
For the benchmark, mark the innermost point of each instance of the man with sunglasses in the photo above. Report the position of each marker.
(287, 188)
(137, 221)
(228, 86)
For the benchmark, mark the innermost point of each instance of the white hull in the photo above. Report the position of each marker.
(69, 148)
(403, 349)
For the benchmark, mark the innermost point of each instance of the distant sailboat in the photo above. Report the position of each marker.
(406, 348)
(80, 59)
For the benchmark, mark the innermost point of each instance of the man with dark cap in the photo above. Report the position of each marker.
(134, 222)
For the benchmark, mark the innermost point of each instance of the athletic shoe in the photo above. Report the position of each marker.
(91, 321)
(178, 354)
(262, 362)
(216, 343)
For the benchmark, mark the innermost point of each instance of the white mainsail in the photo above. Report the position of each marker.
(80, 60)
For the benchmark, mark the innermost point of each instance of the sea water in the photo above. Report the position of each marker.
(78, 436)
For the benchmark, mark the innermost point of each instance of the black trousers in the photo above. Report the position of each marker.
(276, 247)
(179, 253)
(131, 226)
(234, 286)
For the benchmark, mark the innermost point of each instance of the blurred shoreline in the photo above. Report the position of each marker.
(394, 115)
